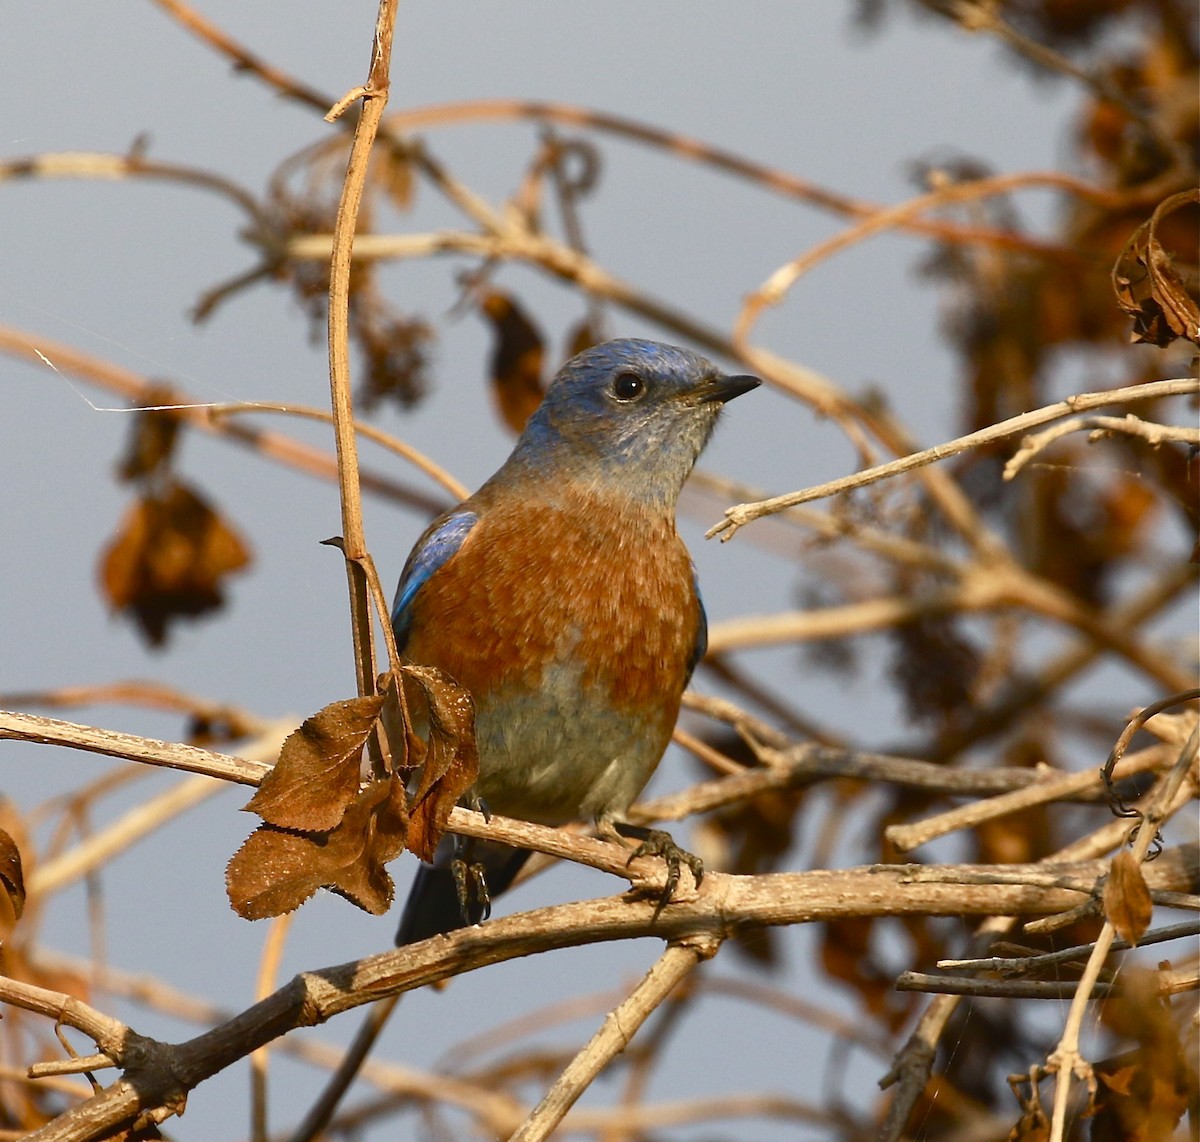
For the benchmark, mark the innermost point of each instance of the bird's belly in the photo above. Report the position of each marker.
(563, 753)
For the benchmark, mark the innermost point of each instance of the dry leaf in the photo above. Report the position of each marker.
(1127, 903)
(168, 559)
(12, 882)
(153, 436)
(276, 870)
(1140, 1097)
(395, 354)
(846, 956)
(1157, 286)
(517, 359)
(1032, 1126)
(319, 768)
(393, 169)
(451, 761)
(935, 666)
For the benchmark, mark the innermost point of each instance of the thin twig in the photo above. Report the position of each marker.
(679, 960)
(374, 100)
(908, 837)
(268, 973)
(742, 514)
(384, 439)
(993, 988)
(109, 166)
(16, 726)
(776, 287)
(1065, 1060)
(137, 390)
(1099, 427)
(780, 182)
(1040, 961)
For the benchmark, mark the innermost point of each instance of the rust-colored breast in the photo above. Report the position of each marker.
(542, 585)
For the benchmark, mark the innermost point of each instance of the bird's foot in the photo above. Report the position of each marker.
(657, 842)
(471, 883)
(477, 804)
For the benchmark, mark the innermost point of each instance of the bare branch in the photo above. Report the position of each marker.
(137, 390)
(1099, 427)
(743, 514)
(622, 1024)
(1066, 1061)
(908, 837)
(173, 755)
(164, 1073)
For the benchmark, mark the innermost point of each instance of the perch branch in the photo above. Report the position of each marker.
(164, 1073)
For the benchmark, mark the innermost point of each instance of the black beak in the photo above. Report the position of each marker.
(724, 389)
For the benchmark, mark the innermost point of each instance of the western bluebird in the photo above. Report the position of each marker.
(562, 598)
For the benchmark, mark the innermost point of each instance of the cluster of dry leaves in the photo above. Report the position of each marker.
(345, 798)
(323, 827)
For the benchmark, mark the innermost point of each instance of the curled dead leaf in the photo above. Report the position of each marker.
(451, 760)
(319, 768)
(12, 885)
(1127, 903)
(517, 359)
(169, 558)
(1156, 280)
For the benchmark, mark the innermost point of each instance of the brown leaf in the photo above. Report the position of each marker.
(395, 354)
(935, 666)
(319, 768)
(517, 359)
(168, 559)
(846, 956)
(1127, 904)
(1157, 286)
(12, 882)
(277, 870)
(1140, 1097)
(451, 761)
(1033, 1126)
(394, 171)
(153, 436)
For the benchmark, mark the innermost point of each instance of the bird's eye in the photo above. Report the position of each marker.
(628, 386)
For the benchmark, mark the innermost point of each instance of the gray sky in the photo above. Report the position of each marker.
(113, 268)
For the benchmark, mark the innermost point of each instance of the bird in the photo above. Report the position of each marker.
(562, 598)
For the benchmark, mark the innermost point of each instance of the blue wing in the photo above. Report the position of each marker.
(701, 643)
(432, 551)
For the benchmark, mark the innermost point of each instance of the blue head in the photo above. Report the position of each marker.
(629, 417)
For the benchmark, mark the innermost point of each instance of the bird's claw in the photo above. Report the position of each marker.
(657, 842)
(473, 897)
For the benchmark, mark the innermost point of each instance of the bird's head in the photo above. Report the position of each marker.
(627, 416)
